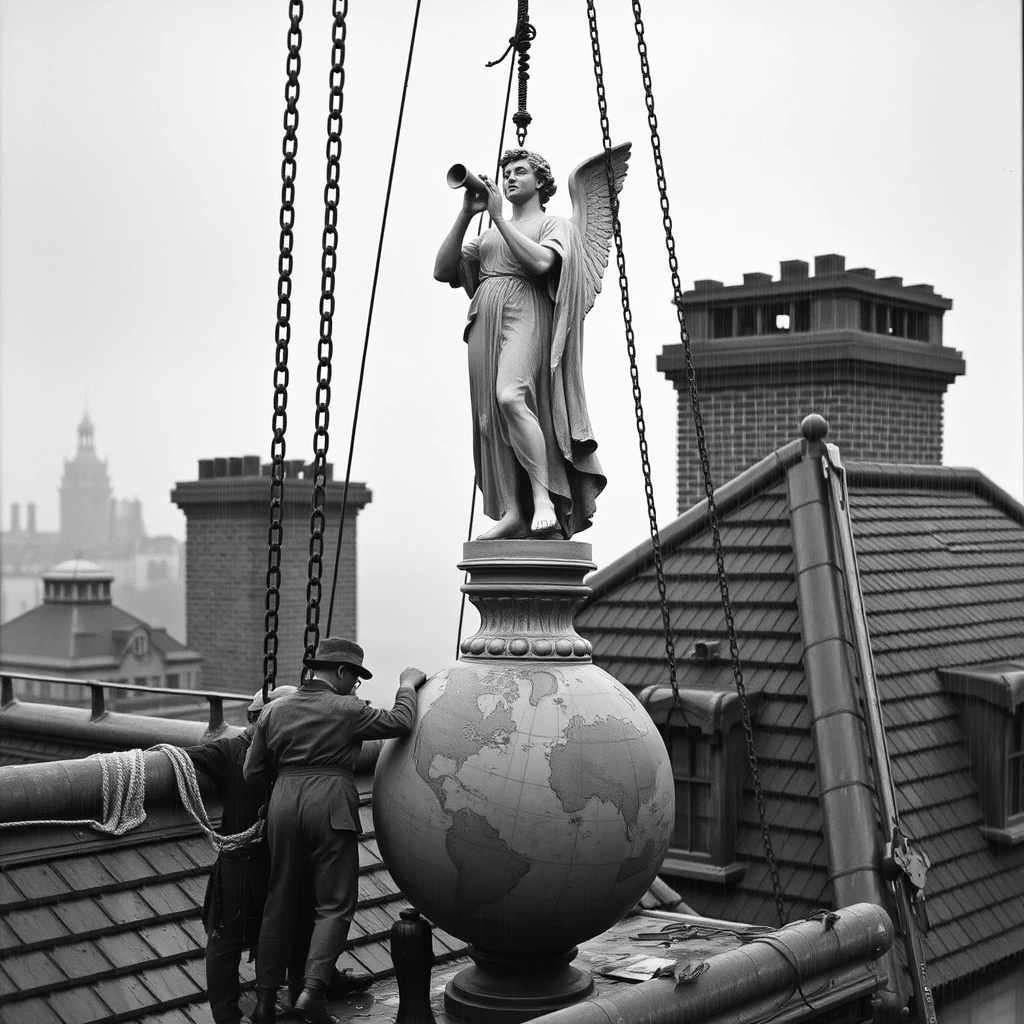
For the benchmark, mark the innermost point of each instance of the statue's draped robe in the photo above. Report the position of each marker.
(525, 335)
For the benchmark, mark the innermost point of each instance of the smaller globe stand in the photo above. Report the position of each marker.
(509, 988)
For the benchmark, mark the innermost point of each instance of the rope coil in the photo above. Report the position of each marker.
(123, 782)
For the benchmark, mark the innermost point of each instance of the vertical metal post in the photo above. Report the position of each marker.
(98, 709)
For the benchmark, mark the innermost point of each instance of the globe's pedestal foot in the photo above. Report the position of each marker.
(507, 988)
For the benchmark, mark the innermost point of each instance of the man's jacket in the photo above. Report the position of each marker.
(310, 740)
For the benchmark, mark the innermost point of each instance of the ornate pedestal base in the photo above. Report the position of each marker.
(508, 988)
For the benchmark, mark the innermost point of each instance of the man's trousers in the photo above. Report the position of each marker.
(305, 850)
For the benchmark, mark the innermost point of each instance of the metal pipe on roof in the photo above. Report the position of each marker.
(792, 957)
(845, 781)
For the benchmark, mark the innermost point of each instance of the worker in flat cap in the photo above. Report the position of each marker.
(308, 745)
(237, 887)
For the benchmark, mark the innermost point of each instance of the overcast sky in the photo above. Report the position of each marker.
(139, 192)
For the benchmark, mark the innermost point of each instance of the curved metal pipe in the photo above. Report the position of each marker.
(796, 954)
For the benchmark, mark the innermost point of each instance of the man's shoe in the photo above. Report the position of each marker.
(346, 982)
(265, 1011)
(312, 1004)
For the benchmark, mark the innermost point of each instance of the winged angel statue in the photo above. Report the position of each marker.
(532, 279)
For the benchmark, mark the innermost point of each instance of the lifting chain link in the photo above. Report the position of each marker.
(698, 421)
(286, 221)
(325, 345)
(627, 319)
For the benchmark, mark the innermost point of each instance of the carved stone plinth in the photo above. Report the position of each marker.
(509, 988)
(527, 593)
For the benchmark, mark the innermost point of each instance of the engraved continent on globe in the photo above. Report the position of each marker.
(531, 804)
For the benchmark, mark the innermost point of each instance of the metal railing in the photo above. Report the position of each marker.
(97, 687)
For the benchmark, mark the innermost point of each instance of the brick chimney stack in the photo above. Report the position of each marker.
(866, 353)
(30, 516)
(228, 516)
(15, 517)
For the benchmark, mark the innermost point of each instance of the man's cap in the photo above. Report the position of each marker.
(257, 700)
(333, 651)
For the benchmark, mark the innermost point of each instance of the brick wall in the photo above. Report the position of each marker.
(868, 420)
(226, 570)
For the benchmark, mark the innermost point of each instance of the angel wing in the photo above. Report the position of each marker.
(592, 213)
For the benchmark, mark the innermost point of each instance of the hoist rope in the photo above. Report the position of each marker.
(479, 231)
(123, 784)
(369, 314)
(709, 488)
(325, 343)
(282, 330)
(192, 801)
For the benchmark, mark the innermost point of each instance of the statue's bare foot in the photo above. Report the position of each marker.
(544, 518)
(510, 525)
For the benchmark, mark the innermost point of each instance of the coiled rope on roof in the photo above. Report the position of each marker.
(123, 780)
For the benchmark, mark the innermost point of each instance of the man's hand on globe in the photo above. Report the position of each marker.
(412, 677)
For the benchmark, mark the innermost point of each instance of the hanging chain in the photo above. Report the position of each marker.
(325, 346)
(520, 42)
(705, 464)
(286, 220)
(634, 373)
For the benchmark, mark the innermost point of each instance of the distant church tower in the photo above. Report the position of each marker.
(865, 352)
(85, 495)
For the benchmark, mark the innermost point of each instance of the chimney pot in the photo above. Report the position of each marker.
(792, 270)
(206, 469)
(830, 263)
(220, 467)
(235, 465)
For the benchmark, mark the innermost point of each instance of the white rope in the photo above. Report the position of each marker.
(123, 781)
(192, 801)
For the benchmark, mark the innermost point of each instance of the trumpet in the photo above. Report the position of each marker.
(459, 176)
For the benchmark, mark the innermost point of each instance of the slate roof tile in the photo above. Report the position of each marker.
(169, 940)
(170, 983)
(85, 874)
(124, 995)
(167, 898)
(37, 927)
(30, 971)
(82, 916)
(33, 1011)
(78, 1006)
(127, 949)
(80, 960)
(125, 906)
(36, 883)
(374, 957)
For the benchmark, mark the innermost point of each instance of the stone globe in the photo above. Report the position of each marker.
(532, 805)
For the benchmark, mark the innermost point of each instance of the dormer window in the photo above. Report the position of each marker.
(706, 745)
(990, 702)
(140, 645)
